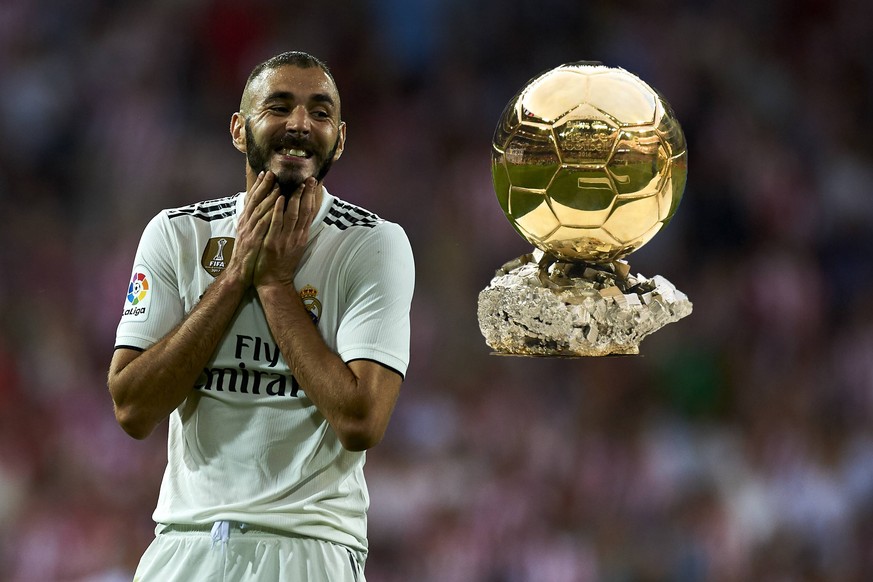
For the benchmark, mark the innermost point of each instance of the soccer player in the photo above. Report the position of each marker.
(272, 328)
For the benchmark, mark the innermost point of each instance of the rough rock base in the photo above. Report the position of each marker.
(536, 306)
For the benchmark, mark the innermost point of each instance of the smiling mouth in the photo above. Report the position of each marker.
(295, 153)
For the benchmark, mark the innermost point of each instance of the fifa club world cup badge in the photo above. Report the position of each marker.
(309, 295)
(588, 163)
(217, 254)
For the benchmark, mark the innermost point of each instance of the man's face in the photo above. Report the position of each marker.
(293, 127)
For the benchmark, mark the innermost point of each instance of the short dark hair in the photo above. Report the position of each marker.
(293, 58)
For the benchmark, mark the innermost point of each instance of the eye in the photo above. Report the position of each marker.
(320, 114)
(281, 109)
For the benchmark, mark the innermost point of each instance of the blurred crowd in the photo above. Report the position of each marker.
(738, 446)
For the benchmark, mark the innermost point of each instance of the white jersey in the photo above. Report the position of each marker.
(248, 445)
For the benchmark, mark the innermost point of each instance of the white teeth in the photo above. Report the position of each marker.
(295, 153)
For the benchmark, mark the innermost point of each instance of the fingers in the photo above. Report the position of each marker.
(290, 219)
(301, 205)
(262, 195)
(307, 200)
(254, 222)
(287, 235)
(254, 196)
(275, 220)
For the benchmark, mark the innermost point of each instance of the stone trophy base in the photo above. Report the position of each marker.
(538, 306)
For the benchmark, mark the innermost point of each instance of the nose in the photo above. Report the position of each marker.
(298, 120)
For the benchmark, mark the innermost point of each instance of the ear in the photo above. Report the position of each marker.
(238, 131)
(341, 143)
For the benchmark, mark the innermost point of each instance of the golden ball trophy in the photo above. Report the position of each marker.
(588, 163)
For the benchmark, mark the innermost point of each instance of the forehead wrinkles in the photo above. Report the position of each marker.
(291, 80)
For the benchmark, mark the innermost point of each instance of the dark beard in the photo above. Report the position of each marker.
(258, 158)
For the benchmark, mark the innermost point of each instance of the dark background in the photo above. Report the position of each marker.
(737, 447)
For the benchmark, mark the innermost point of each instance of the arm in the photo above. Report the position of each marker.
(357, 398)
(147, 386)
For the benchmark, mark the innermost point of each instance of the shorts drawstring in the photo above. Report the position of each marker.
(220, 534)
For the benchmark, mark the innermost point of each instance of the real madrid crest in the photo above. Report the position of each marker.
(309, 295)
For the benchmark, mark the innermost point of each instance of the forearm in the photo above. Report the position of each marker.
(146, 389)
(354, 408)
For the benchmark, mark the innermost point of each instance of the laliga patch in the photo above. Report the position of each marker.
(217, 254)
(139, 295)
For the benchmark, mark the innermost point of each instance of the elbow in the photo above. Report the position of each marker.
(134, 425)
(356, 444)
(360, 436)
(128, 416)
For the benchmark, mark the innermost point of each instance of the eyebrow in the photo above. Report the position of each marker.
(289, 96)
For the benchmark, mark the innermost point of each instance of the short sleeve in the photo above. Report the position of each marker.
(152, 302)
(379, 283)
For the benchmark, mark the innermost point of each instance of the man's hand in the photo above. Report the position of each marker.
(254, 222)
(286, 237)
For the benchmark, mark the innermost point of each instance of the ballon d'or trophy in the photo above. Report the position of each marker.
(588, 163)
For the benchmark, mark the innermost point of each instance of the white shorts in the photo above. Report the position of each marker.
(234, 552)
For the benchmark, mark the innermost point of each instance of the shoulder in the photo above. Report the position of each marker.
(344, 215)
(207, 210)
(183, 218)
(172, 225)
(362, 228)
